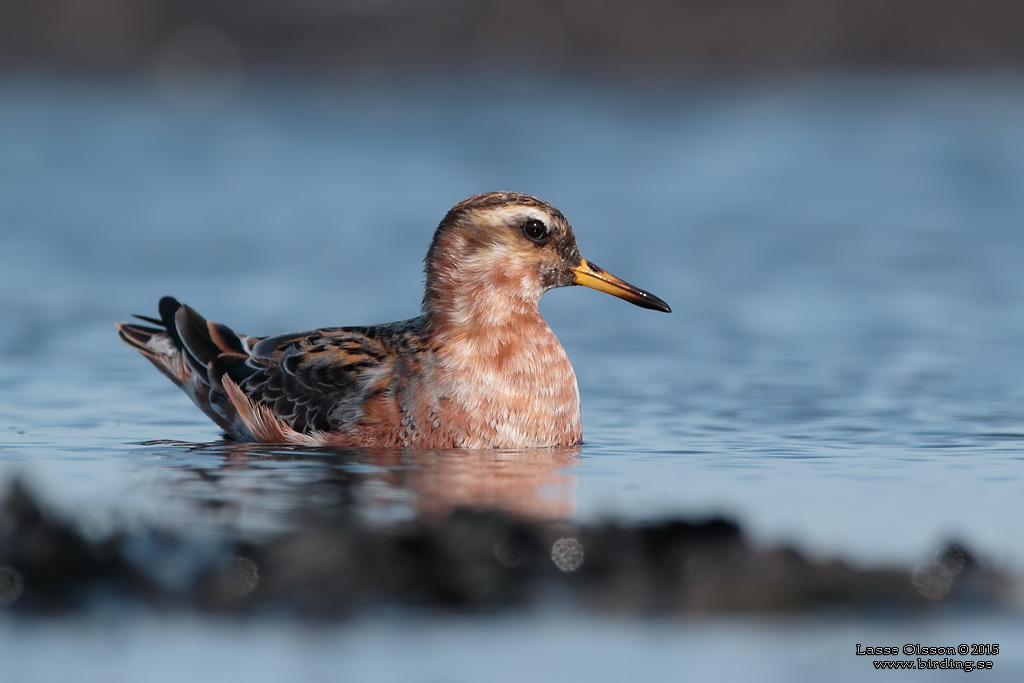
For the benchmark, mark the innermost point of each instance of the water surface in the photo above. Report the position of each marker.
(843, 370)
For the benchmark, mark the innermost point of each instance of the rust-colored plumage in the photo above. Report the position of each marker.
(478, 369)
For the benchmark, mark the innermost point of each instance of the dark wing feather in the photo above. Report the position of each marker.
(316, 380)
(319, 380)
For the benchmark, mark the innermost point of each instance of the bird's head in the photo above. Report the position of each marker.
(497, 253)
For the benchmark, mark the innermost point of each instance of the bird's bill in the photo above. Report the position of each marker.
(589, 275)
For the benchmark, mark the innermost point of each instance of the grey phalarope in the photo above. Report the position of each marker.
(480, 368)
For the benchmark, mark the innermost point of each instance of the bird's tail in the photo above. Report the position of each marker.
(194, 353)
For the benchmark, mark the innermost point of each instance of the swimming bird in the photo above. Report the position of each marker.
(479, 368)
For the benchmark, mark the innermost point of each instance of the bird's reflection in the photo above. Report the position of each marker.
(531, 483)
(264, 483)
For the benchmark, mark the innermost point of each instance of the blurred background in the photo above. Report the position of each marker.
(829, 195)
(379, 40)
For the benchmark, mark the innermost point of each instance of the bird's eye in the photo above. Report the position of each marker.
(535, 230)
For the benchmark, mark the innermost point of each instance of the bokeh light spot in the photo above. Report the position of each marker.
(11, 585)
(567, 554)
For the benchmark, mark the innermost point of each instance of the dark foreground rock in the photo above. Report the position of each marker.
(331, 564)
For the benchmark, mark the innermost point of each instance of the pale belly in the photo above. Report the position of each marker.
(528, 402)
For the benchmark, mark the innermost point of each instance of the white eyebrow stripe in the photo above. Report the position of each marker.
(525, 212)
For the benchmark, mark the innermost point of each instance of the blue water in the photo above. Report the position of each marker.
(843, 370)
(500, 649)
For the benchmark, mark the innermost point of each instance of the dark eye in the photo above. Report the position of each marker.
(535, 230)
